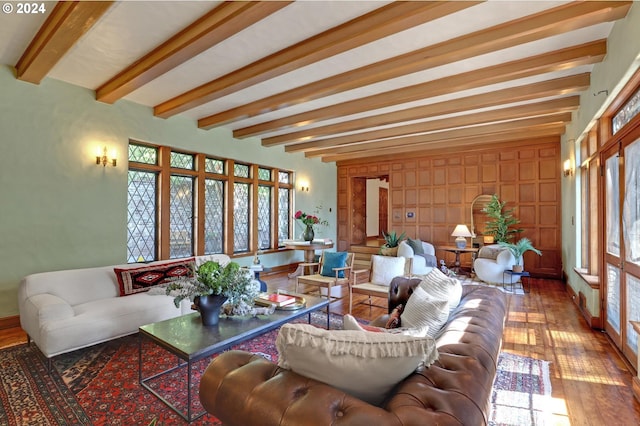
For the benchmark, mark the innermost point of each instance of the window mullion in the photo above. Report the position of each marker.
(164, 217)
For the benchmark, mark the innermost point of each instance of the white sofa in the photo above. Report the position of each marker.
(491, 262)
(418, 263)
(62, 311)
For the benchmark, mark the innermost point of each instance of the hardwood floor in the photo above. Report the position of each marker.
(591, 383)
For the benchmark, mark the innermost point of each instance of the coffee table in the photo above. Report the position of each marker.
(190, 341)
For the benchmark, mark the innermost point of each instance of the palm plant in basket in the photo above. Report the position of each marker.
(392, 239)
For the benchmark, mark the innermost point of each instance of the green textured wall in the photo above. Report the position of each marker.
(58, 210)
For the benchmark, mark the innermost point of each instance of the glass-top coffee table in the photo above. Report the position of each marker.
(190, 341)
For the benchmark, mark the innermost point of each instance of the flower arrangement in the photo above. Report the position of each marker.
(212, 278)
(309, 219)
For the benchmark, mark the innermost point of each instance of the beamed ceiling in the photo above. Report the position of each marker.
(336, 80)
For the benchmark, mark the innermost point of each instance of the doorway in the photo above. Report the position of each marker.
(369, 208)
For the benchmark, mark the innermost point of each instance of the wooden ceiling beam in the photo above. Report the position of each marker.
(521, 141)
(545, 24)
(375, 25)
(65, 25)
(503, 137)
(553, 106)
(448, 135)
(563, 59)
(222, 22)
(545, 89)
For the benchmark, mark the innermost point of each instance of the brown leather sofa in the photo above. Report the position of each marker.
(243, 389)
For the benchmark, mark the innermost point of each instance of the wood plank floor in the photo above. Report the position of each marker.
(591, 383)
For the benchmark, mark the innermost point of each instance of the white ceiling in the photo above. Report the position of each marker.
(130, 29)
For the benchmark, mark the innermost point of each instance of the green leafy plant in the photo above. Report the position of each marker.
(519, 248)
(502, 220)
(211, 277)
(392, 239)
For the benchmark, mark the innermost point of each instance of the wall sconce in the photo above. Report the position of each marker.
(304, 188)
(103, 158)
(567, 170)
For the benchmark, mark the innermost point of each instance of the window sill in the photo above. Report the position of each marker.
(592, 280)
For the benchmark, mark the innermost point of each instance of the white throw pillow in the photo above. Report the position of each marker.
(386, 268)
(350, 323)
(441, 286)
(365, 365)
(423, 310)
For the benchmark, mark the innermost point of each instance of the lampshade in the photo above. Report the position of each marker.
(461, 231)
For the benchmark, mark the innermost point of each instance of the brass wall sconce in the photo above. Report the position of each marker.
(103, 158)
(567, 170)
(304, 188)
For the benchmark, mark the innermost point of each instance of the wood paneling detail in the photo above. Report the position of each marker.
(438, 189)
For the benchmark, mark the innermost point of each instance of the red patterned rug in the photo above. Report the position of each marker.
(99, 385)
(521, 392)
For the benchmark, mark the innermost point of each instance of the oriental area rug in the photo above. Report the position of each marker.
(99, 385)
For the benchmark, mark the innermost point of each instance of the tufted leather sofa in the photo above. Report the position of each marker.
(243, 389)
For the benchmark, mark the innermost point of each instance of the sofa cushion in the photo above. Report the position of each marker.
(137, 280)
(385, 268)
(332, 260)
(416, 245)
(424, 310)
(440, 286)
(365, 365)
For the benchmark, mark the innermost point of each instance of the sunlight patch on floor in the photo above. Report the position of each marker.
(584, 368)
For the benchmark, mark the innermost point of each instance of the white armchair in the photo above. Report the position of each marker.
(491, 263)
(418, 263)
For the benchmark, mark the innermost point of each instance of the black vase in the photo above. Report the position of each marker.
(209, 307)
(308, 233)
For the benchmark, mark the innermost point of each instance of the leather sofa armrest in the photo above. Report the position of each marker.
(240, 388)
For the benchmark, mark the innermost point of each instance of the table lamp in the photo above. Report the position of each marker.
(461, 232)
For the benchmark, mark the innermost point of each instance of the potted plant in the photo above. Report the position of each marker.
(390, 247)
(518, 249)
(213, 286)
(502, 221)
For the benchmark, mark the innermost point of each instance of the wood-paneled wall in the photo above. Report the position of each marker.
(429, 194)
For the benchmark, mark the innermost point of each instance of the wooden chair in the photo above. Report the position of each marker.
(378, 286)
(320, 281)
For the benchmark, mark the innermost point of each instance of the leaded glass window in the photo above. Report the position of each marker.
(181, 161)
(143, 154)
(626, 114)
(214, 216)
(264, 217)
(141, 216)
(261, 210)
(284, 215)
(264, 174)
(181, 217)
(240, 217)
(241, 170)
(212, 165)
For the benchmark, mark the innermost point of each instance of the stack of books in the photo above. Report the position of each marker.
(280, 300)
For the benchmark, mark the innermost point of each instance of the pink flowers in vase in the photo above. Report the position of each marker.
(309, 219)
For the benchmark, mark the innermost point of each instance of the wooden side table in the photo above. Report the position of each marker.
(456, 264)
(309, 254)
(522, 275)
